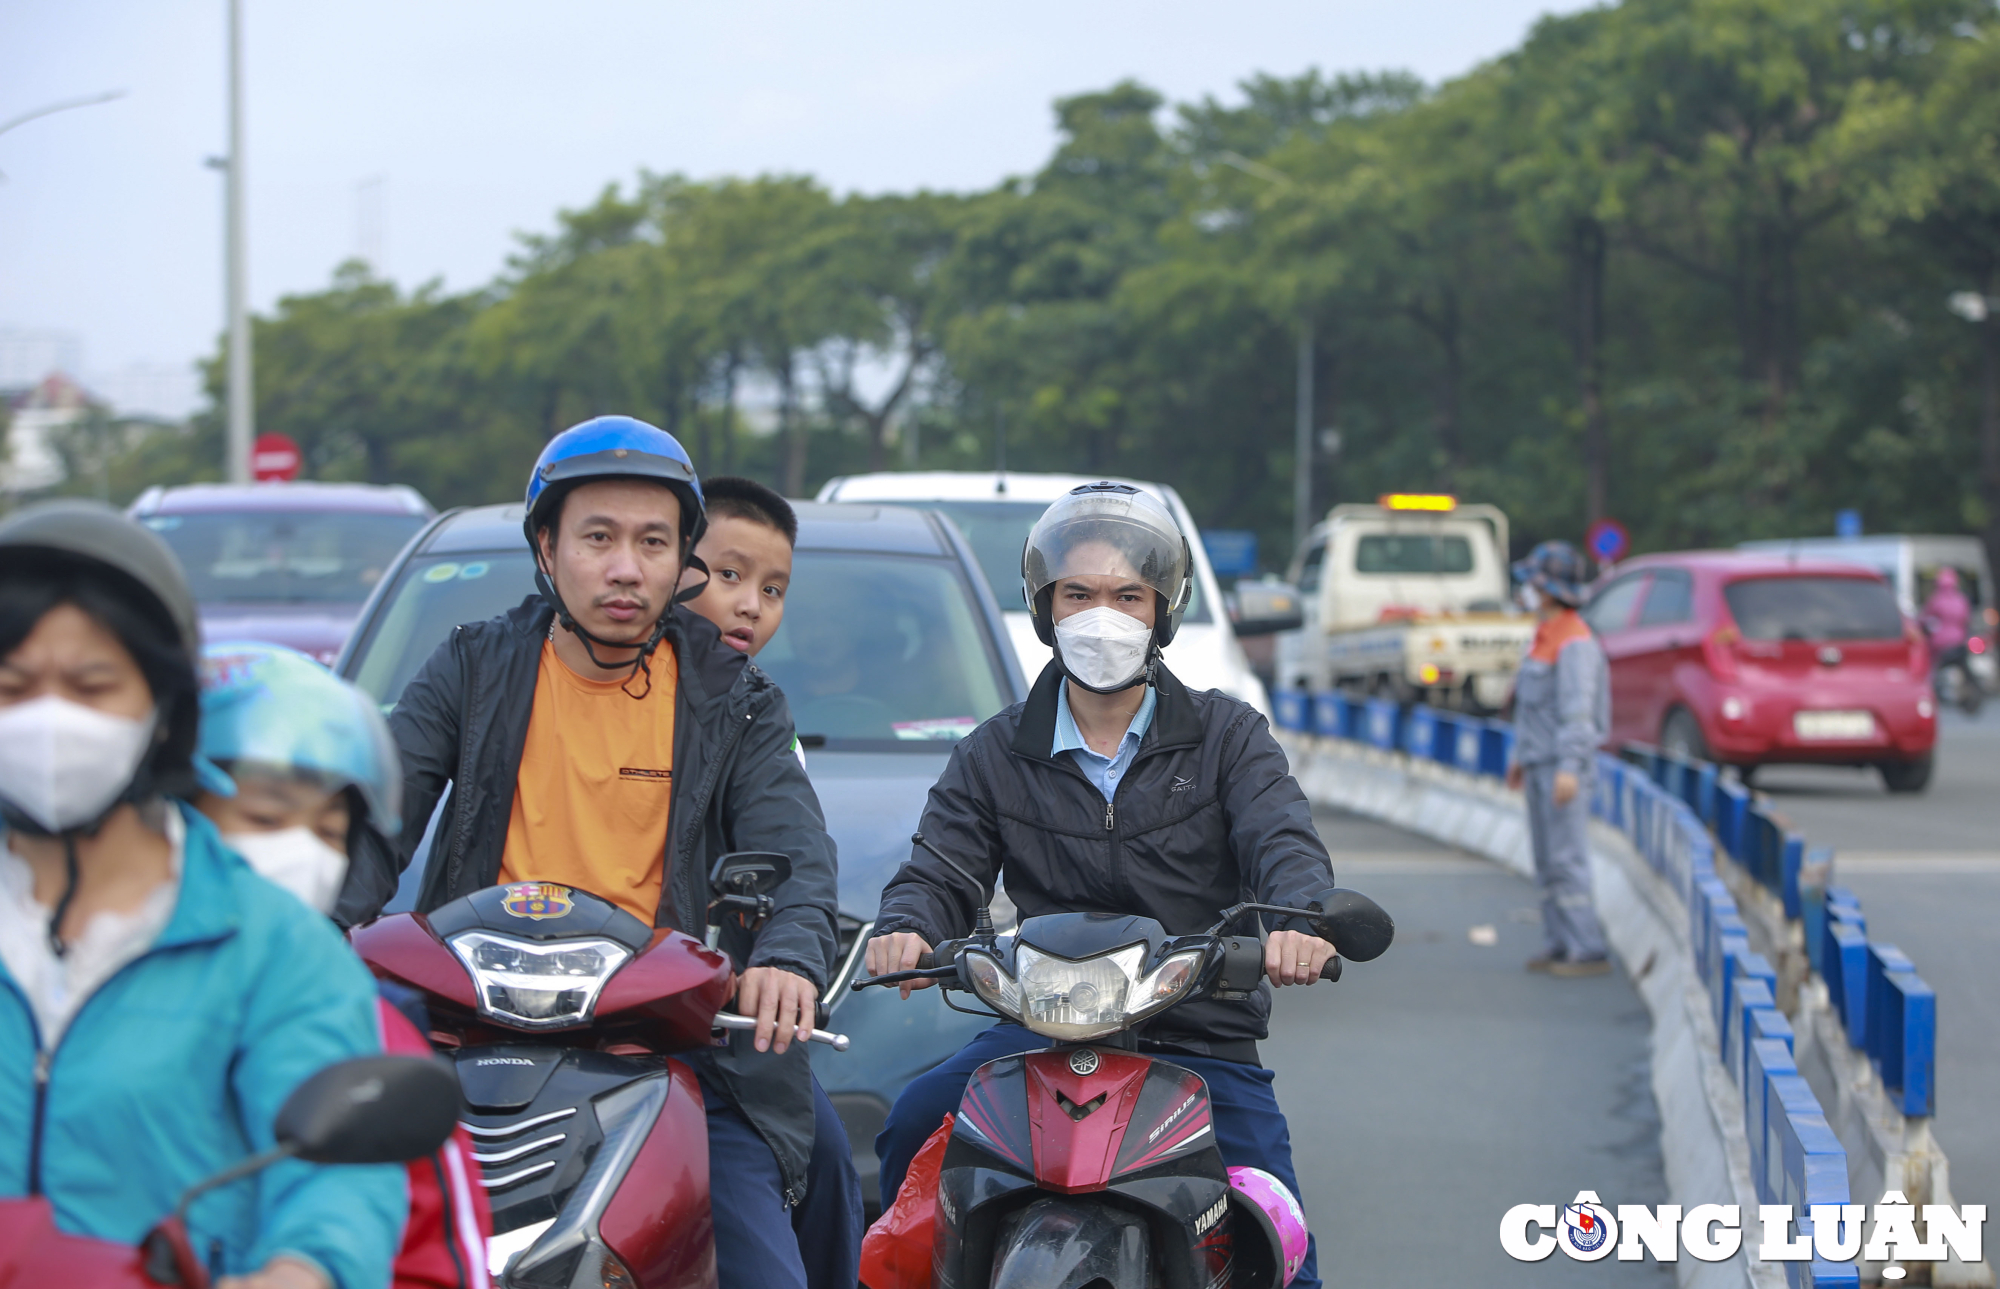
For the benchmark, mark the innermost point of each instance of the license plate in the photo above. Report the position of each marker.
(1844, 726)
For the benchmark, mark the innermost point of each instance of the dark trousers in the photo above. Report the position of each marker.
(1250, 1130)
(758, 1244)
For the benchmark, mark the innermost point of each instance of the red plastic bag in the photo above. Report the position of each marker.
(896, 1252)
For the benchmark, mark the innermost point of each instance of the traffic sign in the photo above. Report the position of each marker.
(1231, 552)
(274, 458)
(1607, 540)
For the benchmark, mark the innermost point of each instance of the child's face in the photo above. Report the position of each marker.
(750, 567)
(272, 803)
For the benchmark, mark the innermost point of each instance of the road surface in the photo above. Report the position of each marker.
(1927, 869)
(1436, 1087)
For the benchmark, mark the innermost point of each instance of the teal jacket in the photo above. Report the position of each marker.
(175, 1068)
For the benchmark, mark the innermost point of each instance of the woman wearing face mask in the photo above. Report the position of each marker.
(158, 1000)
(315, 770)
(1115, 789)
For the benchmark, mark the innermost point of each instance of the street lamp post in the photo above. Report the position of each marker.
(1302, 441)
(241, 413)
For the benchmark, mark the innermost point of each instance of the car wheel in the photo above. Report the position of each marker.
(1681, 736)
(1906, 776)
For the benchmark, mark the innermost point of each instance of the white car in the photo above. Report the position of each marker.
(995, 511)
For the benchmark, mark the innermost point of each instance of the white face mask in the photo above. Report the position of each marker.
(63, 764)
(296, 859)
(1103, 649)
(1530, 597)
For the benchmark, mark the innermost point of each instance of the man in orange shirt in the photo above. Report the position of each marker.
(602, 736)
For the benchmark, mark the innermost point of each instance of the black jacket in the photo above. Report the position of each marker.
(1207, 815)
(461, 723)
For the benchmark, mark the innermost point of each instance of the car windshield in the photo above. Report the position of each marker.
(431, 595)
(876, 651)
(330, 557)
(1412, 553)
(997, 530)
(1814, 608)
(883, 651)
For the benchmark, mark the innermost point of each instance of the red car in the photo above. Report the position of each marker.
(1757, 660)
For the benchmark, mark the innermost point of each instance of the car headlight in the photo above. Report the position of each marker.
(1076, 1001)
(538, 986)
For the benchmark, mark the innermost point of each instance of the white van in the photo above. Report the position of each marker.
(996, 510)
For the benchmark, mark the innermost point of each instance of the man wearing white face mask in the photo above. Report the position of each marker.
(1115, 789)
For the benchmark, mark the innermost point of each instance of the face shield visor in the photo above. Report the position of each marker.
(1109, 530)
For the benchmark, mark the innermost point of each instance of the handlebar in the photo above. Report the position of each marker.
(729, 1020)
(1242, 967)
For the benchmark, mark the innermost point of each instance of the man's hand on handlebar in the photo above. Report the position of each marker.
(898, 951)
(1295, 958)
(781, 1001)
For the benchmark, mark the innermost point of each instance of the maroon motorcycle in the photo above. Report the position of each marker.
(563, 1016)
(370, 1110)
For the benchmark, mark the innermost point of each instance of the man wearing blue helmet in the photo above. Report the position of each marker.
(601, 736)
(1562, 714)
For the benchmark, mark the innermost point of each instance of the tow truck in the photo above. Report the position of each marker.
(1408, 598)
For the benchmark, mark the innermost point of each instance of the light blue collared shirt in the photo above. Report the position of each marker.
(1104, 771)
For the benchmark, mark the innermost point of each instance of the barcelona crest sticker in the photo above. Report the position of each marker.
(537, 900)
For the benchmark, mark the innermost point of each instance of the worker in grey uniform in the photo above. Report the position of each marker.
(1562, 714)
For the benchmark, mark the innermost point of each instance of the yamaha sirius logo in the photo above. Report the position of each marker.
(1083, 1061)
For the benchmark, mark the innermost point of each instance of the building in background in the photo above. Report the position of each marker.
(35, 419)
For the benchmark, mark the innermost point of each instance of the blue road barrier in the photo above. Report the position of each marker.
(1676, 813)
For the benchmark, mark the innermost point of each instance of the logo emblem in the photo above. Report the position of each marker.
(1083, 1061)
(1180, 784)
(537, 900)
(1586, 1227)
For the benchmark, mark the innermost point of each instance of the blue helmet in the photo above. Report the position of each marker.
(264, 705)
(614, 447)
(1555, 569)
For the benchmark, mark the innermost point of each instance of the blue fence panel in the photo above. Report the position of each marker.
(1815, 1169)
(1747, 994)
(1791, 858)
(1381, 717)
(1732, 802)
(1845, 969)
(1768, 1062)
(1909, 1063)
(1329, 714)
(1288, 709)
(1882, 960)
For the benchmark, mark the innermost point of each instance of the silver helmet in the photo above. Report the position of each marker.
(1114, 529)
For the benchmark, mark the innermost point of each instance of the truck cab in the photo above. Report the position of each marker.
(1406, 598)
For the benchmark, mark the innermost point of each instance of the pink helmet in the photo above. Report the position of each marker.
(1275, 1209)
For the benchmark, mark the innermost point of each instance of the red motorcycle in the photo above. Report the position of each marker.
(562, 1015)
(371, 1110)
(1090, 1165)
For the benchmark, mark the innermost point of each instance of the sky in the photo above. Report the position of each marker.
(427, 134)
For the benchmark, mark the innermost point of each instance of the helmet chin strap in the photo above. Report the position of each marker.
(640, 665)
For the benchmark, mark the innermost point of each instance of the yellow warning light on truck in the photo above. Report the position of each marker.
(1417, 501)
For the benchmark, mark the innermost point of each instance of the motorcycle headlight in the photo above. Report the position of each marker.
(538, 986)
(1081, 1000)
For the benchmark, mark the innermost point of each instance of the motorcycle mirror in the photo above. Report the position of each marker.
(1360, 929)
(749, 872)
(370, 1110)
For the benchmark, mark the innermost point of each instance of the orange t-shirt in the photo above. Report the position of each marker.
(596, 781)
